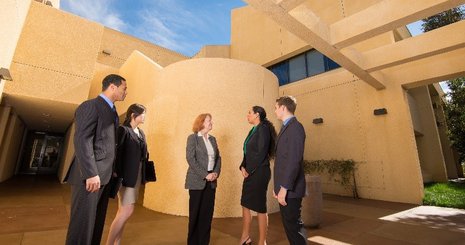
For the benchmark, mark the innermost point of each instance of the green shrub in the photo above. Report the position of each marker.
(341, 171)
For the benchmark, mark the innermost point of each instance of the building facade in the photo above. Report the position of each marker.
(339, 66)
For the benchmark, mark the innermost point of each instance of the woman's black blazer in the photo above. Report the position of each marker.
(257, 149)
(130, 153)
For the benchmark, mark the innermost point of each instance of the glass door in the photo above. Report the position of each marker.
(42, 153)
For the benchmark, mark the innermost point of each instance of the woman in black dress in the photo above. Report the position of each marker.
(255, 167)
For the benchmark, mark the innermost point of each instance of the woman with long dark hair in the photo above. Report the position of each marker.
(255, 167)
(131, 154)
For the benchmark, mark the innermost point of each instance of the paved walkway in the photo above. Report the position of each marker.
(35, 210)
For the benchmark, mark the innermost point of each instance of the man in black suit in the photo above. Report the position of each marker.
(289, 179)
(94, 143)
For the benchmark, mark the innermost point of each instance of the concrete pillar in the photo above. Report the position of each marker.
(312, 204)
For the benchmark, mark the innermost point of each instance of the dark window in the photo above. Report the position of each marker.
(330, 64)
(304, 65)
(297, 68)
(315, 63)
(281, 70)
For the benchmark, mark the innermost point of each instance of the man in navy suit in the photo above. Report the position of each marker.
(289, 179)
(94, 144)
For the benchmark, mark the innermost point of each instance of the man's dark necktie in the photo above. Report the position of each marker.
(116, 116)
(281, 130)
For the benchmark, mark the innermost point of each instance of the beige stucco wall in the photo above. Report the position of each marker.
(100, 72)
(142, 77)
(214, 51)
(5, 139)
(384, 146)
(12, 16)
(10, 146)
(263, 41)
(121, 45)
(58, 48)
(63, 50)
(67, 153)
(174, 96)
(4, 119)
(428, 141)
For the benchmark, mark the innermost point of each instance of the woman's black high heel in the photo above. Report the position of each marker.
(247, 241)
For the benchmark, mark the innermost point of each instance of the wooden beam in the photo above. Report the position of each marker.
(305, 24)
(412, 49)
(383, 17)
(426, 71)
(288, 5)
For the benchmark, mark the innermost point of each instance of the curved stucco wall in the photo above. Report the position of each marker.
(225, 88)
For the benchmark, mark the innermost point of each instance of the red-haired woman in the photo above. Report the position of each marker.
(204, 161)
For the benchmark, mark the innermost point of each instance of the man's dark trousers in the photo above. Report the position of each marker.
(87, 207)
(292, 222)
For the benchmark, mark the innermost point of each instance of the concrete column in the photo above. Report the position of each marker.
(427, 137)
(312, 204)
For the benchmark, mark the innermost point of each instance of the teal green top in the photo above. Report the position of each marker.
(248, 137)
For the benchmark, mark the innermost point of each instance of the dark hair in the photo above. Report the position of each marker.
(112, 79)
(198, 123)
(134, 111)
(262, 114)
(289, 102)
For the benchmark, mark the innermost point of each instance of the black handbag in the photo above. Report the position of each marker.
(115, 184)
(150, 175)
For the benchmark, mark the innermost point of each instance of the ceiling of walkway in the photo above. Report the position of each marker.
(41, 114)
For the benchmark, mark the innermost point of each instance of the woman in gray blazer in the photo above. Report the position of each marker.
(204, 162)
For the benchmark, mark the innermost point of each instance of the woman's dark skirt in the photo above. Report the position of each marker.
(254, 189)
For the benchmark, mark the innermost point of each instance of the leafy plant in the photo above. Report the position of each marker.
(455, 115)
(449, 194)
(341, 171)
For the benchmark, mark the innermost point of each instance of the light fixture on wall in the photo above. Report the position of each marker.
(380, 111)
(106, 52)
(317, 120)
(5, 74)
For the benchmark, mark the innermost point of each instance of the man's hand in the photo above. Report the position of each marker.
(282, 196)
(274, 195)
(93, 184)
(244, 172)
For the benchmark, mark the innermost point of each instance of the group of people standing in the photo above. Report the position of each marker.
(261, 144)
(104, 149)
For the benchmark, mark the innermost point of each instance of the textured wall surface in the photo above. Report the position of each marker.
(384, 146)
(12, 17)
(59, 49)
(121, 45)
(427, 138)
(10, 151)
(174, 96)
